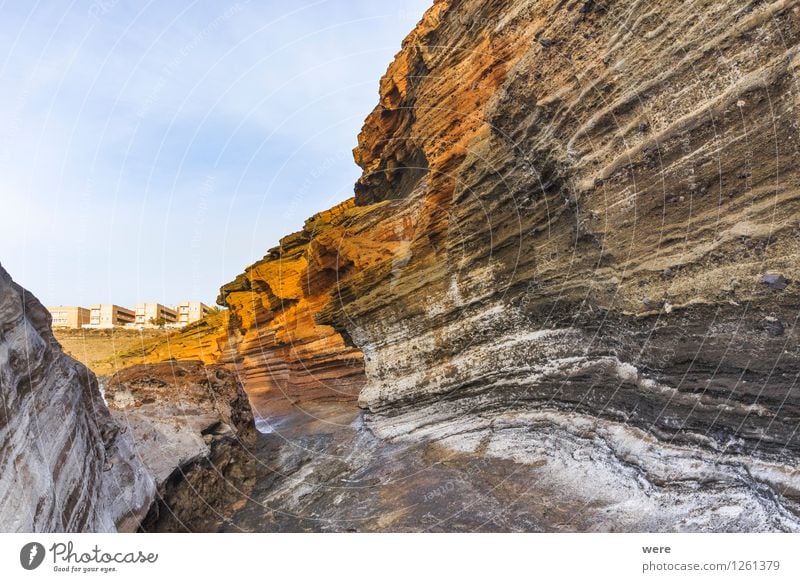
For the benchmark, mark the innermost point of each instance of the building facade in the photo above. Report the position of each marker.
(103, 315)
(69, 316)
(109, 315)
(155, 314)
(191, 311)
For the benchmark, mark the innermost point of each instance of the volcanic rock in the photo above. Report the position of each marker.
(484, 288)
(66, 466)
(191, 425)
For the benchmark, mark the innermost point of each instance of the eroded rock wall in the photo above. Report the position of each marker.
(65, 464)
(614, 219)
(618, 238)
(599, 192)
(576, 218)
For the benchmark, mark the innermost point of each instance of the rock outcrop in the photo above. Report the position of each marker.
(575, 238)
(192, 427)
(164, 442)
(66, 466)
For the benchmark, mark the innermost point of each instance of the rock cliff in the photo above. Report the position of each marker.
(66, 466)
(574, 246)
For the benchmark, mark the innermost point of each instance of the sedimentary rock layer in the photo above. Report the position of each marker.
(65, 464)
(618, 238)
(616, 200)
(271, 335)
(569, 210)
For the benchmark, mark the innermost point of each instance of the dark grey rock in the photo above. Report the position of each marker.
(772, 326)
(774, 281)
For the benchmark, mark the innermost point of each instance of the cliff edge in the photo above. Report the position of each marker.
(574, 247)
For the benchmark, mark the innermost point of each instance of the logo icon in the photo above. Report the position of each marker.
(31, 555)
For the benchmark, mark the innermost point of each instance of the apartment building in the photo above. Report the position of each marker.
(69, 316)
(109, 315)
(147, 314)
(191, 311)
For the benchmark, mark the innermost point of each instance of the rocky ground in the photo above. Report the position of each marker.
(322, 469)
(191, 426)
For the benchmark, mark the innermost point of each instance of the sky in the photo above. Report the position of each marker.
(150, 151)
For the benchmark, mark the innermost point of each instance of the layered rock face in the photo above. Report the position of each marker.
(612, 220)
(66, 466)
(165, 443)
(574, 247)
(271, 334)
(609, 241)
(280, 348)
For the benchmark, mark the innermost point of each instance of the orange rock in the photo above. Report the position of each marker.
(527, 154)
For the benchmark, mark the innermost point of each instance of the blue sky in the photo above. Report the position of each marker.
(149, 151)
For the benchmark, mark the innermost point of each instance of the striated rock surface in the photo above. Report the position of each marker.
(271, 333)
(606, 239)
(607, 221)
(204, 340)
(322, 469)
(165, 443)
(66, 466)
(191, 425)
(574, 248)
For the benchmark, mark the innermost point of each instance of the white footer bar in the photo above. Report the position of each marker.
(381, 557)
